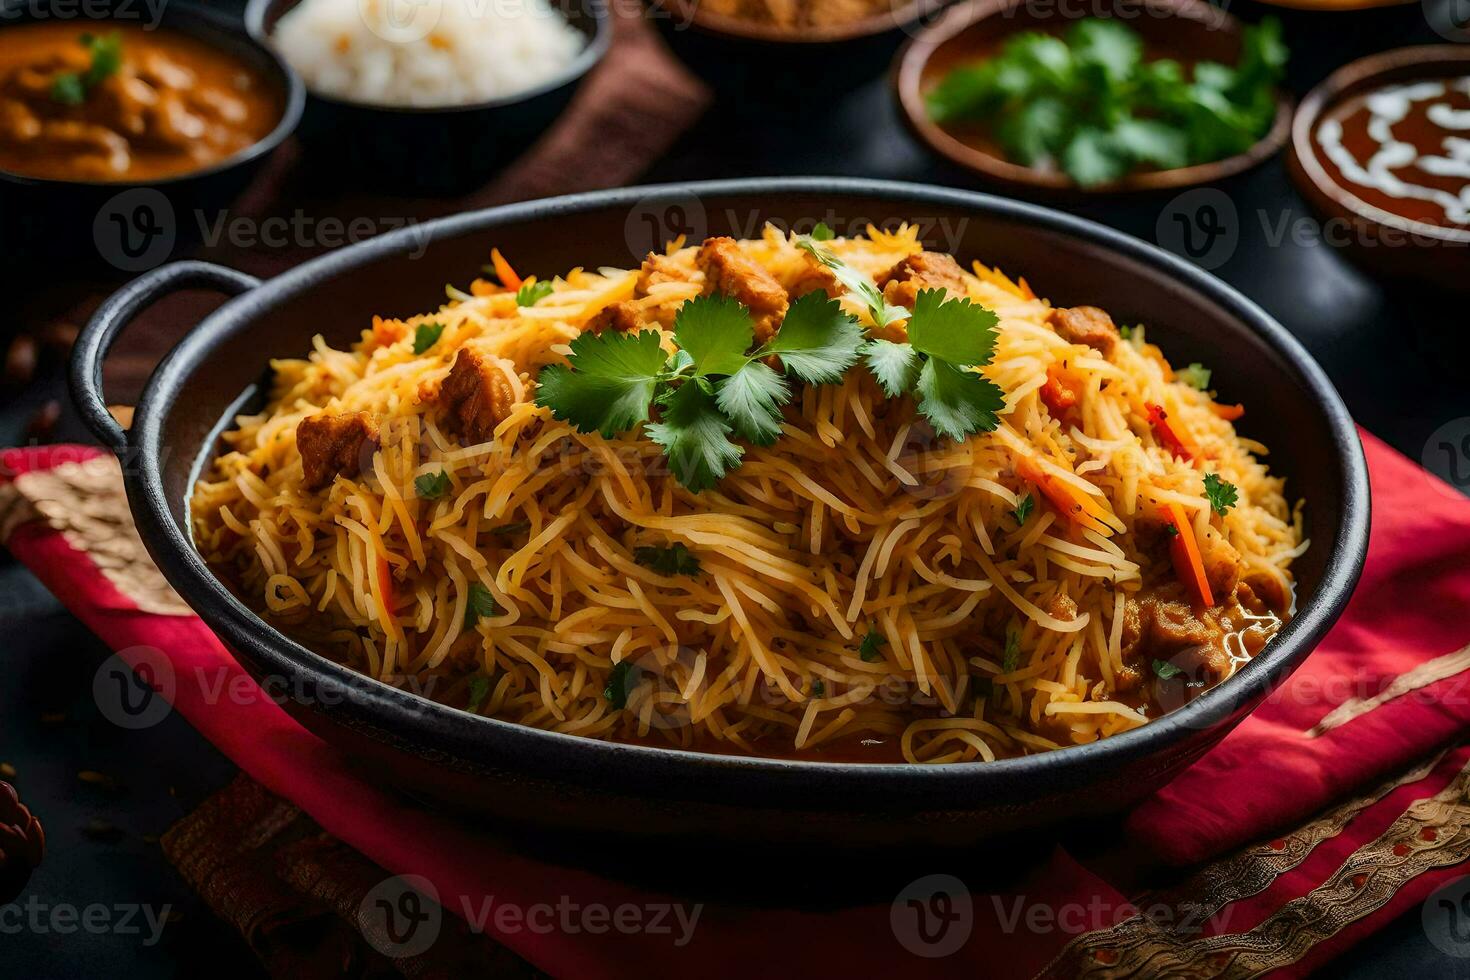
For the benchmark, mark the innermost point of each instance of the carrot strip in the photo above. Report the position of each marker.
(1061, 391)
(1184, 551)
(1176, 444)
(1080, 508)
(1228, 412)
(503, 271)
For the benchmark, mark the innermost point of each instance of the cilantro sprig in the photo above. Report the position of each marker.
(1222, 494)
(1093, 105)
(532, 293)
(713, 388)
(72, 88)
(946, 338)
(671, 561)
(854, 281)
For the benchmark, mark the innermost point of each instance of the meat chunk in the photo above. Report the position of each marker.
(1086, 325)
(331, 444)
(477, 395)
(1157, 629)
(816, 277)
(619, 317)
(728, 270)
(902, 284)
(1223, 565)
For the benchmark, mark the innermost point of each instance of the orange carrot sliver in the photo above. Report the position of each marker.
(1184, 551)
(1159, 419)
(503, 271)
(1228, 412)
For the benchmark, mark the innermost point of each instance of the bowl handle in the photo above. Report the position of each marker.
(116, 313)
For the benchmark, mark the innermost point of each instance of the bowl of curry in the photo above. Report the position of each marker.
(1378, 150)
(90, 108)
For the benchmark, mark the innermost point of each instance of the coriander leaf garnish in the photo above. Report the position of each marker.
(958, 402)
(1196, 376)
(822, 232)
(819, 690)
(1222, 494)
(1011, 658)
(696, 438)
(532, 293)
(896, 366)
(869, 648)
(751, 399)
(673, 560)
(67, 89)
(479, 690)
(480, 605)
(715, 331)
(1023, 509)
(620, 684)
(817, 341)
(608, 386)
(432, 486)
(955, 330)
(70, 88)
(855, 282)
(426, 335)
(1164, 670)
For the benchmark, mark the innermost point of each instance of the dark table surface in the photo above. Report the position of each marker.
(1396, 354)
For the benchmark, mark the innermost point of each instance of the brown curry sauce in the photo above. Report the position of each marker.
(173, 106)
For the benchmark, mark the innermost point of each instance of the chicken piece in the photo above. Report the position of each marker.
(728, 270)
(331, 444)
(1157, 629)
(620, 317)
(902, 284)
(1223, 565)
(477, 395)
(1086, 325)
(816, 277)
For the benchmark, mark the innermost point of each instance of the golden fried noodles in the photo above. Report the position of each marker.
(861, 590)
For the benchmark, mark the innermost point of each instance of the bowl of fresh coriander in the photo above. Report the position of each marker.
(1156, 95)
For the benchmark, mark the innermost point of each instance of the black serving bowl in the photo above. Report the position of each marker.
(134, 225)
(551, 780)
(757, 70)
(448, 150)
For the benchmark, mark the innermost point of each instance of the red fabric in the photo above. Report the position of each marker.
(1264, 777)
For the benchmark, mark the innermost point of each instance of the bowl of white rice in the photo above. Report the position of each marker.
(430, 96)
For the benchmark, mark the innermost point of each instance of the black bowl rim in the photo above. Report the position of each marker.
(730, 28)
(587, 59)
(463, 732)
(293, 91)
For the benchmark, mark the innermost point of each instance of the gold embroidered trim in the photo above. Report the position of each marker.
(85, 502)
(1433, 833)
(1421, 676)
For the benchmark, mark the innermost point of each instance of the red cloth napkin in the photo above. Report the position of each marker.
(1384, 834)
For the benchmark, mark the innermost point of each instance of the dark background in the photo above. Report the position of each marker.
(1396, 354)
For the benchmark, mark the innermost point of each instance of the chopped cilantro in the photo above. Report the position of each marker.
(1092, 104)
(480, 605)
(479, 690)
(1196, 376)
(426, 335)
(819, 690)
(1171, 531)
(1164, 670)
(514, 527)
(432, 486)
(1222, 494)
(822, 233)
(1011, 659)
(1023, 509)
(532, 293)
(70, 88)
(620, 684)
(869, 649)
(1127, 332)
(674, 560)
(609, 383)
